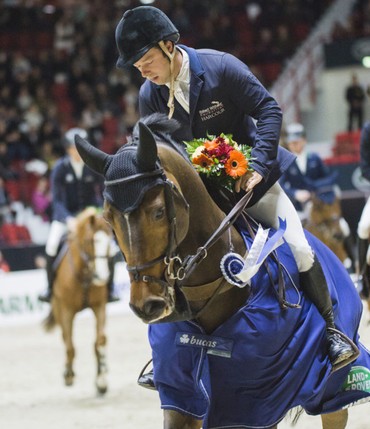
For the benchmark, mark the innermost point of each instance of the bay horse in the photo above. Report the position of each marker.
(81, 282)
(324, 222)
(223, 355)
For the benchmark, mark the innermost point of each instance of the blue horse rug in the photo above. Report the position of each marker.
(264, 360)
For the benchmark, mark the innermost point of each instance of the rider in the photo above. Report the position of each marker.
(212, 92)
(74, 187)
(308, 175)
(363, 228)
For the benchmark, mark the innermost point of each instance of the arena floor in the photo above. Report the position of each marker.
(33, 395)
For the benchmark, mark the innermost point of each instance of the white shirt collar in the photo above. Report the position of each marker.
(182, 82)
(184, 74)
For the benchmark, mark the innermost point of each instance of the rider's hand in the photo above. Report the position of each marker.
(248, 182)
(71, 224)
(302, 195)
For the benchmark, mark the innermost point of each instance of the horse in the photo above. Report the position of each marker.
(324, 221)
(223, 355)
(81, 281)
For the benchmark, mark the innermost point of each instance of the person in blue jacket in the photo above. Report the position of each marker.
(363, 227)
(212, 92)
(74, 186)
(308, 176)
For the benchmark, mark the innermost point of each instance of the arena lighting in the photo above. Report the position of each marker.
(366, 62)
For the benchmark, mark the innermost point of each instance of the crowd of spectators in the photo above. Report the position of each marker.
(57, 70)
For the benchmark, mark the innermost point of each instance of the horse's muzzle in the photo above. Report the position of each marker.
(153, 309)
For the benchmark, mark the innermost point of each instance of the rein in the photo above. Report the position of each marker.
(193, 260)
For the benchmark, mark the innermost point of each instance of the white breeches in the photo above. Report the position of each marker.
(56, 232)
(274, 204)
(363, 227)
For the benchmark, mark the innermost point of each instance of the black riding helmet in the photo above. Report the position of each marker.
(139, 30)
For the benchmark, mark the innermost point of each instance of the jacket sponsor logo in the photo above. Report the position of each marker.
(216, 108)
(214, 345)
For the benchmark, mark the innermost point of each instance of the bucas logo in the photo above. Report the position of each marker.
(184, 339)
(194, 341)
(197, 341)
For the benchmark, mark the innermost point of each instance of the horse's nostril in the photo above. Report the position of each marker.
(152, 309)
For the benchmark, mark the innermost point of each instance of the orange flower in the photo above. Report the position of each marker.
(202, 160)
(236, 165)
(211, 145)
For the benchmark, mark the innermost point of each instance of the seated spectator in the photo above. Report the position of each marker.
(41, 199)
(5, 210)
(12, 234)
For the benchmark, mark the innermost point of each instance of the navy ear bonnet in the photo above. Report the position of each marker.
(127, 196)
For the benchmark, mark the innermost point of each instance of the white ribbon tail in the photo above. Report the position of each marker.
(260, 249)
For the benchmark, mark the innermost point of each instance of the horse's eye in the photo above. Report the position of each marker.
(159, 213)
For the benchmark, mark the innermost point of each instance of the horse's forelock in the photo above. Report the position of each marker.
(159, 124)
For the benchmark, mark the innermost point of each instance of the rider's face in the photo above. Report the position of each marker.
(154, 66)
(297, 146)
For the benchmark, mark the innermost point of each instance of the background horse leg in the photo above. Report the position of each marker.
(175, 420)
(100, 349)
(337, 420)
(66, 322)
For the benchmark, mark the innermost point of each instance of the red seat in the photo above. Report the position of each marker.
(13, 189)
(15, 234)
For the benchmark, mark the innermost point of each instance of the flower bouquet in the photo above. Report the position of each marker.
(220, 158)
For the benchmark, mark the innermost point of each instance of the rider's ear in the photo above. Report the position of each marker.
(169, 45)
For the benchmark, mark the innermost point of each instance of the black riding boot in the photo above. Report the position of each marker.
(341, 350)
(349, 247)
(110, 284)
(146, 379)
(50, 274)
(363, 268)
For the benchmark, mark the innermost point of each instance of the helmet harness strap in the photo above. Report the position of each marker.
(171, 57)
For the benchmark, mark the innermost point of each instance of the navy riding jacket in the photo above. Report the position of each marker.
(70, 194)
(225, 97)
(316, 178)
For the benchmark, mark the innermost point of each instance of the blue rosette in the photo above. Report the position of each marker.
(231, 265)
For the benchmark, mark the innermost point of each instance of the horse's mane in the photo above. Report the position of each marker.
(162, 128)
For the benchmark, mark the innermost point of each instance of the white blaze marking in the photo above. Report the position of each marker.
(101, 248)
(126, 216)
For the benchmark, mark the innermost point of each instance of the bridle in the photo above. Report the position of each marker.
(86, 275)
(178, 269)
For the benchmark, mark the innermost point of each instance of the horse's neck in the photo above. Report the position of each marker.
(76, 252)
(205, 218)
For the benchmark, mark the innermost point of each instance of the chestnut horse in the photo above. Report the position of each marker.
(81, 282)
(223, 356)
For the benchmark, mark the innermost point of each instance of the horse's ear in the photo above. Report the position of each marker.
(93, 157)
(147, 149)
